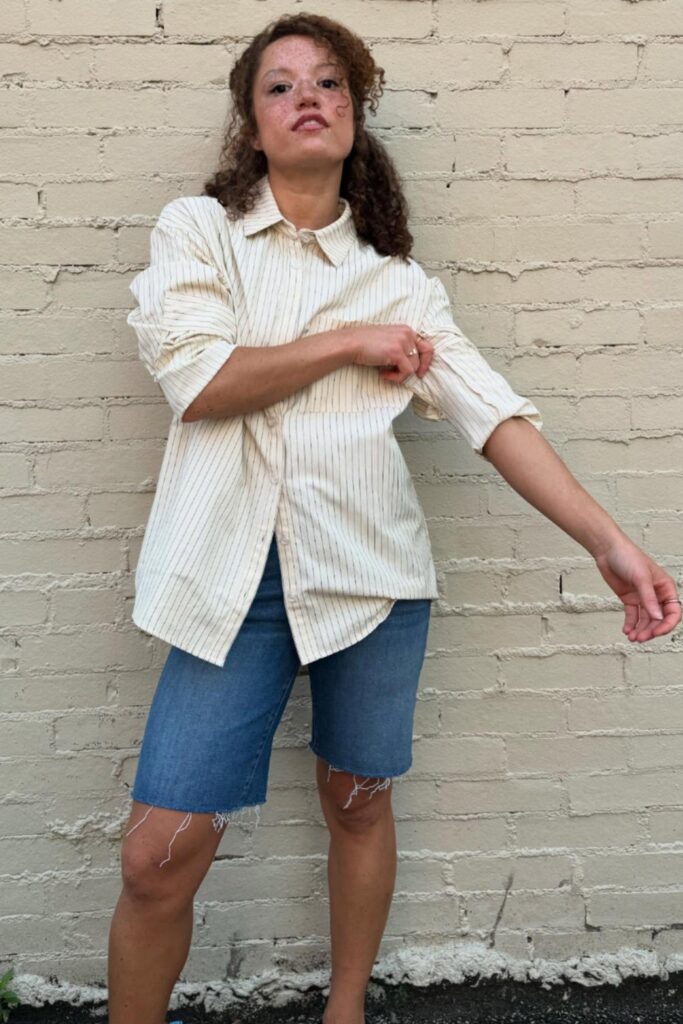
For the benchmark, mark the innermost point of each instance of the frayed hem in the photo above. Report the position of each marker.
(246, 818)
(366, 783)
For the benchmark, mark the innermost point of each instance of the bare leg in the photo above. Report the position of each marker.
(361, 873)
(165, 856)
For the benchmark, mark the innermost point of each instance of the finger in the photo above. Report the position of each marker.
(648, 598)
(426, 353)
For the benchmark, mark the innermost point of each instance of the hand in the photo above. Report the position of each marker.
(643, 586)
(386, 346)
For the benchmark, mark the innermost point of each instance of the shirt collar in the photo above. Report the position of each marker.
(335, 239)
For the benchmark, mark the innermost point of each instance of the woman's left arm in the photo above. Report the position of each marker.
(533, 468)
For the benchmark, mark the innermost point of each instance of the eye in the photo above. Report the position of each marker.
(279, 86)
(333, 80)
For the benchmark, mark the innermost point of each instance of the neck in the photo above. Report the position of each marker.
(308, 201)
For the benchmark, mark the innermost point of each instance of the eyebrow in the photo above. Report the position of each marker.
(286, 71)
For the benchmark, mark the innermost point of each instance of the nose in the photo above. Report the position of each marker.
(305, 91)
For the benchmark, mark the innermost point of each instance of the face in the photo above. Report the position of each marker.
(298, 78)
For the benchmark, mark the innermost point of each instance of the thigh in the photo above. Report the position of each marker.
(363, 697)
(208, 736)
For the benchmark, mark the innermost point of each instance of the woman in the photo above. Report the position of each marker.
(288, 326)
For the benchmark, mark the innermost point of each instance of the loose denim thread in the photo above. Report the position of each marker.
(358, 786)
(223, 818)
(220, 820)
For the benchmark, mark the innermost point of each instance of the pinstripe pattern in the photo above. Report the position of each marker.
(320, 468)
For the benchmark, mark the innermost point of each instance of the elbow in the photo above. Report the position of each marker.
(192, 413)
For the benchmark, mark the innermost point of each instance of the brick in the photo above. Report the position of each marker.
(73, 378)
(57, 334)
(500, 108)
(562, 154)
(463, 198)
(633, 909)
(437, 63)
(662, 61)
(33, 62)
(442, 498)
(571, 832)
(625, 196)
(119, 509)
(562, 671)
(140, 421)
(477, 153)
(177, 153)
(658, 491)
(499, 796)
(627, 791)
(449, 835)
(632, 870)
(78, 107)
(490, 873)
(557, 240)
(18, 737)
(173, 62)
(460, 673)
(626, 711)
(550, 756)
(656, 413)
(658, 152)
(472, 589)
(420, 153)
(503, 713)
(18, 200)
(500, 18)
(405, 108)
(56, 245)
(83, 607)
(12, 16)
(28, 424)
(22, 289)
(40, 693)
(109, 18)
(107, 467)
(666, 826)
(647, 668)
(97, 649)
(63, 556)
(443, 756)
(548, 328)
(665, 240)
(14, 470)
(117, 729)
(472, 633)
(22, 608)
(368, 17)
(524, 911)
(601, 628)
(233, 881)
(120, 198)
(573, 63)
(612, 17)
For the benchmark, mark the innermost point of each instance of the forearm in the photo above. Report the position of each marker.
(255, 377)
(534, 469)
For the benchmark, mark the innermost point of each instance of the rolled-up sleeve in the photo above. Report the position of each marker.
(460, 386)
(184, 321)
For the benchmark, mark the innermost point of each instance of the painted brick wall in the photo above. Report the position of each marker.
(541, 145)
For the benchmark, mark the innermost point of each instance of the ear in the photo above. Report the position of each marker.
(255, 142)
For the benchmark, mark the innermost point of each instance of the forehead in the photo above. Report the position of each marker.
(292, 52)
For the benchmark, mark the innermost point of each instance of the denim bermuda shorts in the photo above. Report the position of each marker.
(209, 733)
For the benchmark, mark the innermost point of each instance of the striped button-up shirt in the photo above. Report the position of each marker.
(321, 468)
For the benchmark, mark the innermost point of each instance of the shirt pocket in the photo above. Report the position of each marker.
(350, 388)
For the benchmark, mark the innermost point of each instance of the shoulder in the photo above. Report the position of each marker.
(198, 213)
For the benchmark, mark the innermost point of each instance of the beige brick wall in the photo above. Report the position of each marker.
(541, 144)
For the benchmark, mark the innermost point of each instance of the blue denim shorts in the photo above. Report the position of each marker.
(209, 733)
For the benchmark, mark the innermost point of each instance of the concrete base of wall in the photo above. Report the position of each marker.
(459, 984)
(635, 1001)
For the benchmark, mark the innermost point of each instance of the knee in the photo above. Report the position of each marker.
(355, 803)
(144, 881)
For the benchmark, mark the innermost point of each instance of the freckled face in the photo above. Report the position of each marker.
(298, 77)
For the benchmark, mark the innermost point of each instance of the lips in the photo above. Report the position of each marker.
(310, 117)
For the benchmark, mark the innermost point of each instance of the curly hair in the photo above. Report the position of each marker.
(369, 181)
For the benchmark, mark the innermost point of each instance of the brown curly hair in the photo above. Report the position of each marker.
(369, 181)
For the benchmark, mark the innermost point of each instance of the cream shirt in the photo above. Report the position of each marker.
(321, 467)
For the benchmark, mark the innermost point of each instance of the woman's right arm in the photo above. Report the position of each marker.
(253, 378)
